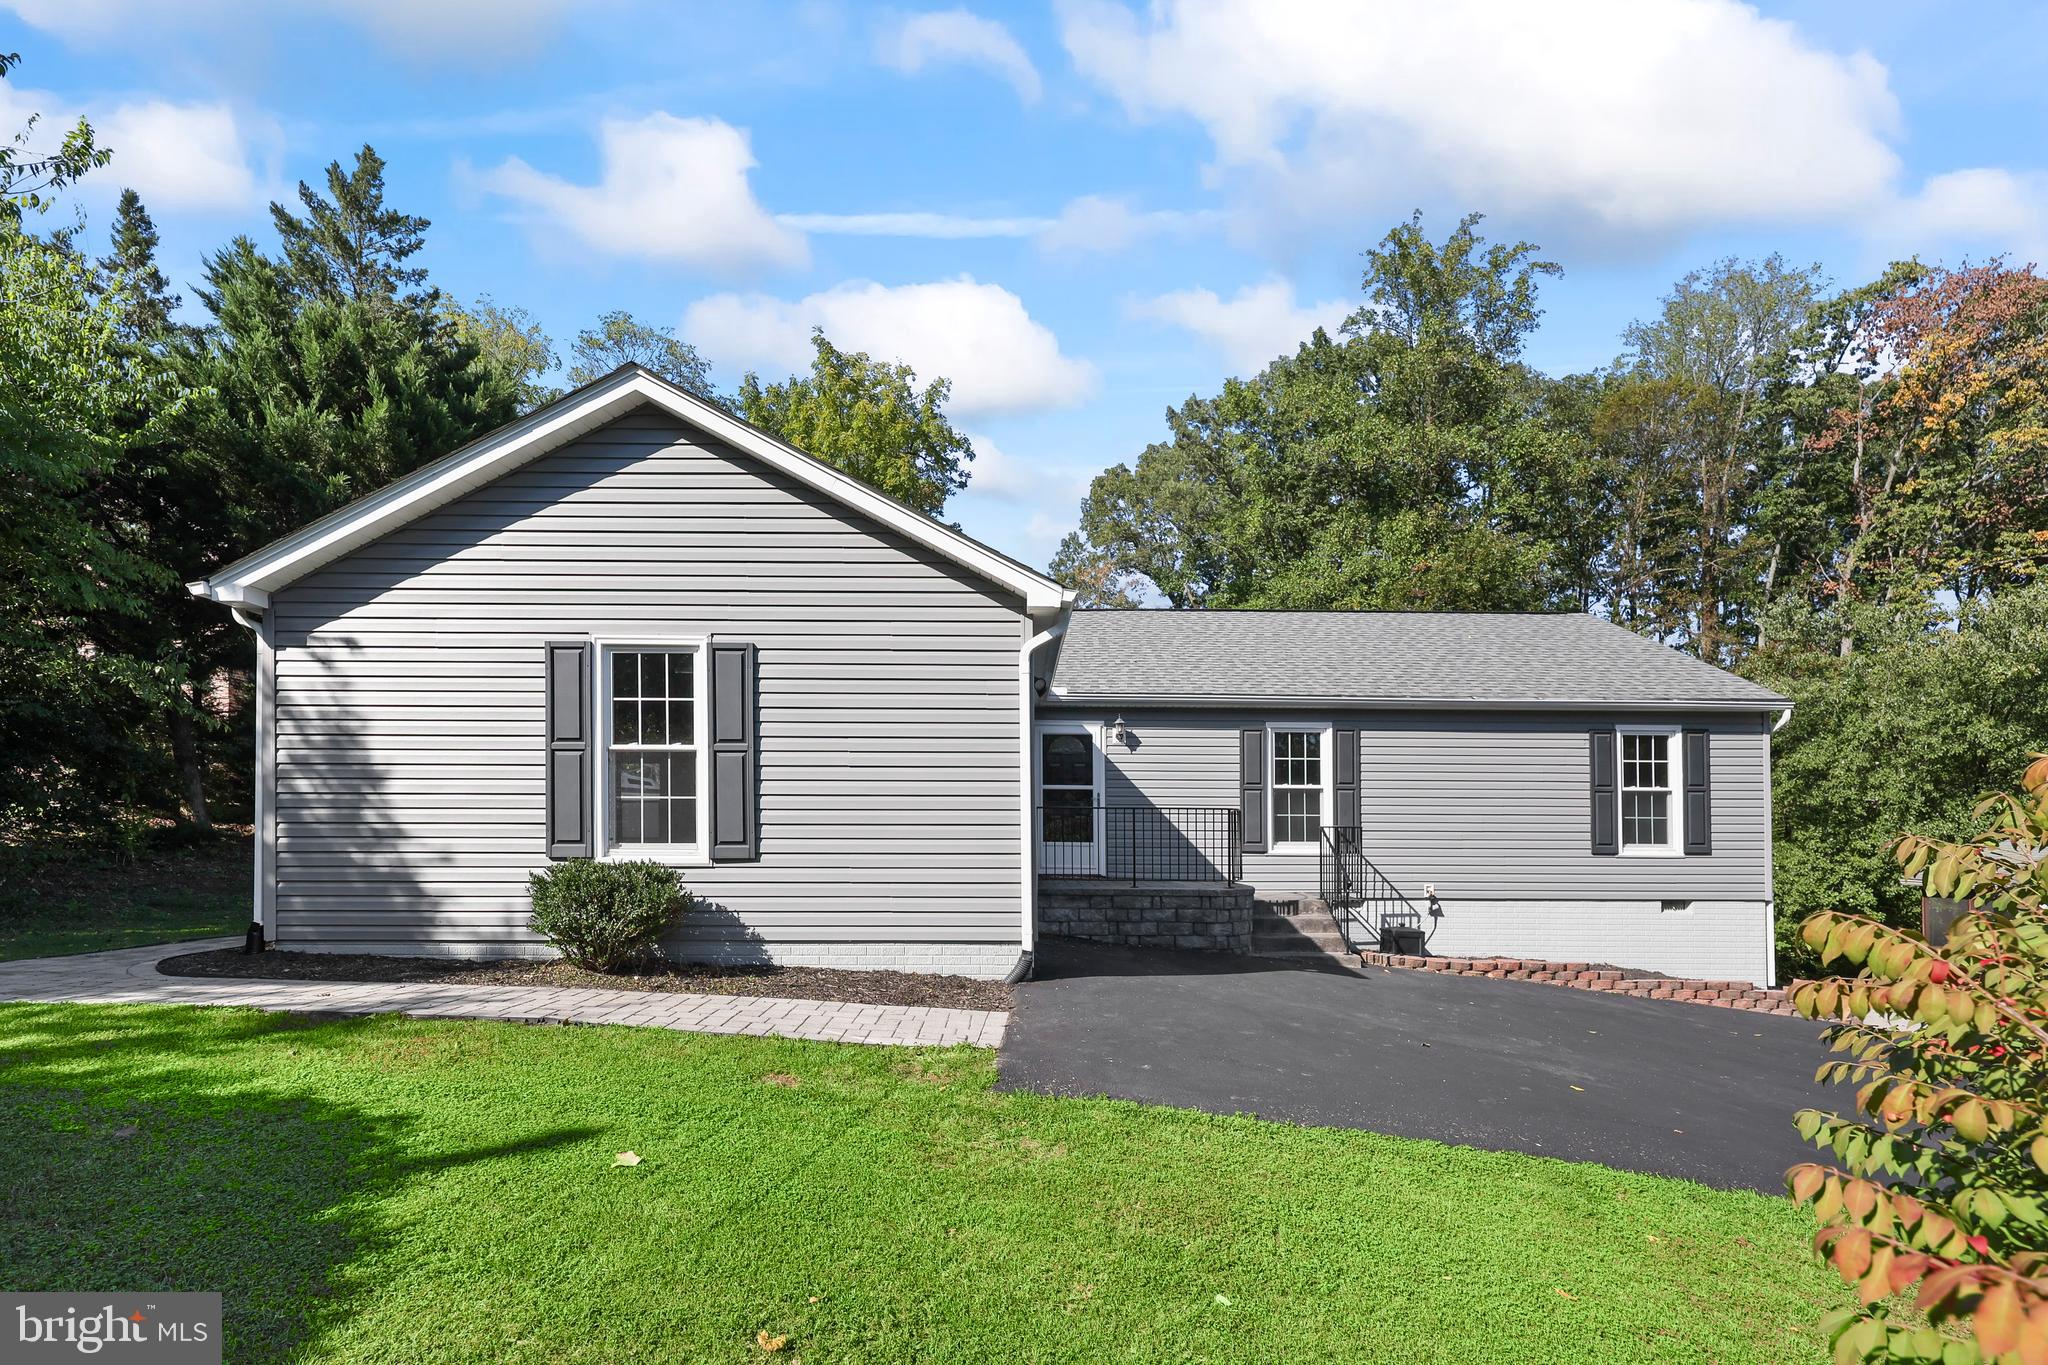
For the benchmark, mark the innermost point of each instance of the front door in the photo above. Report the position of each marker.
(1070, 825)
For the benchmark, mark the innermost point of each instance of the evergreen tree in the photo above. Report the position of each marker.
(349, 246)
(149, 302)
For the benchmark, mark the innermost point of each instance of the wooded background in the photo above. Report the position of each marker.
(1839, 492)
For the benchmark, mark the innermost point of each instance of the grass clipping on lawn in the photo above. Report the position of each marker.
(393, 1189)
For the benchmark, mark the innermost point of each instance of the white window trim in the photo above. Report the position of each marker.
(696, 854)
(1092, 731)
(1329, 789)
(1674, 748)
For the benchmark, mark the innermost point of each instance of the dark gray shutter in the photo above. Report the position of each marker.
(569, 751)
(1606, 804)
(735, 803)
(1251, 781)
(1346, 787)
(1699, 830)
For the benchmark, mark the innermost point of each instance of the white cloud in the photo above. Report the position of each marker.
(181, 156)
(1091, 223)
(190, 157)
(1986, 208)
(671, 189)
(940, 226)
(1096, 222)
(1250, 329)
(440, 28)
(977, 335)
(1016, 479)
(413, 29)
(1633, 116)
(959, 37)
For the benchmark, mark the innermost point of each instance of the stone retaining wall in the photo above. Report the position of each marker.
(1740, 995)
(1203, 916)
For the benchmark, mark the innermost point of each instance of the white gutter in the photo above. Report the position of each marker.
(1783, 716)
(1026, 822)
(1253, 701)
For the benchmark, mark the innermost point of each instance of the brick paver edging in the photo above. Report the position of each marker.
(1581, 976)
(129, 976)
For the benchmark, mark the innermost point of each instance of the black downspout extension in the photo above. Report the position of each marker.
(252, 942)
(1020, 972)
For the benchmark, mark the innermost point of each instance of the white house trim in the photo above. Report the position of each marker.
(697, 853)
(249, 581)
(1326, 766)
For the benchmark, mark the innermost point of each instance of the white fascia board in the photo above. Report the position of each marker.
(248, 581)
(1056, 696)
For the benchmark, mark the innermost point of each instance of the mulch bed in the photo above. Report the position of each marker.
(781, 983)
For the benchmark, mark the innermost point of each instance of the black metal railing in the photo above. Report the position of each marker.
(1367, 906)
(1141, 843)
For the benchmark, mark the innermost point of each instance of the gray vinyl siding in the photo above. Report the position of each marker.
(1483, 805)
(409, 704)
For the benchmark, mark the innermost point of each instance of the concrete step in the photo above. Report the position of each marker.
(1294, 946)
(1281, 924)
(1297, 927)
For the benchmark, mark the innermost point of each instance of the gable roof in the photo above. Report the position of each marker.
(249, 581)
(1493, 660)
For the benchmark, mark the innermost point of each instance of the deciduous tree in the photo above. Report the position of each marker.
(620, 339)
(869, 418)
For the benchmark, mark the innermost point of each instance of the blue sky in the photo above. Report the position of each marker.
(1080, 212)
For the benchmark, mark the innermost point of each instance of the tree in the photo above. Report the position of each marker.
(314, 383)
(163, 506)
(868, 418)
(1412, 462)
(618, 339)
(65, 423)
(349, 247)
(1942, 449)
(28, 179)
(1939, 1180)
(1901, 734)
(509, 341)
(1690, 418)
(131, 266)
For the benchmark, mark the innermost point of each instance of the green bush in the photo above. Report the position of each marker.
(605, 916)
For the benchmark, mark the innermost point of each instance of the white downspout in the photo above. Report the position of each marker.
(1026, 824)
(259, 786)
(1770, 867)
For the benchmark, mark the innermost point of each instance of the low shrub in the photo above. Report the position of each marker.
(1940, 1179)
(605, 916)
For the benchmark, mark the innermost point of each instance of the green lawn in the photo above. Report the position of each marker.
(396, 1190)
(91, 900)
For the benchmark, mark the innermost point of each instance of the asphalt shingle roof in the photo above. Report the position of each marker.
(1489, 658)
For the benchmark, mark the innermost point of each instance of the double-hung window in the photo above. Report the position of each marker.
(1298, 795)
(1649, 785)
(653, 769)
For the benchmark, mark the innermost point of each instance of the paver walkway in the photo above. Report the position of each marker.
(129, 976)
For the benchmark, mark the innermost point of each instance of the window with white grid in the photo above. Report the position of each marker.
(651, 754)
(1648, 796)
(1297, 787)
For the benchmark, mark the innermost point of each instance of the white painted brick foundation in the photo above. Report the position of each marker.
(985, 961)
(1720, 940)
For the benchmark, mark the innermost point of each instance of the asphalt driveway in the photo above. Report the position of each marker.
(1681, 1090)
